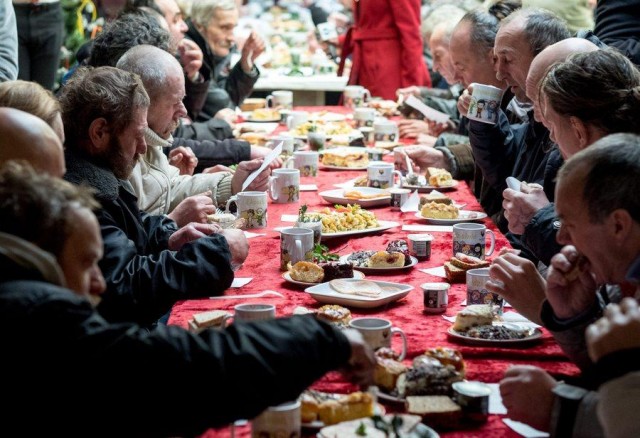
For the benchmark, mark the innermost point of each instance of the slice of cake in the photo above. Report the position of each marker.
(438, 411)
(345, 158)
(435, 210)
(472, 316)
(386, 259)
(435, 196)
(349, 407)
(401, 246)
(387, 371)
(306, 272)
(333, 270)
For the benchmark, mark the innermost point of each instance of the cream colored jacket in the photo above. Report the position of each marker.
(160, 187)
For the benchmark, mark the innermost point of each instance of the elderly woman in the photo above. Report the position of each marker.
(211, 27)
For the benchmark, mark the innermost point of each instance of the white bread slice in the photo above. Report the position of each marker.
(212, 318)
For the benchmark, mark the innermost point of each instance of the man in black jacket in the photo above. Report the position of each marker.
(148, 263)
(114, 376)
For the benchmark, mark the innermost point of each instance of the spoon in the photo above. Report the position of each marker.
(266, 293)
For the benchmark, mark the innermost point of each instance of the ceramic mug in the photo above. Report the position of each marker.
(296, 244)
(377, 333)
(382, 175)
(288, 144)
(485, 103)
(305, 161)
(477, 292)
(254, 312)
(280, 99)
(364, 117)
(398, 197)
(284, 186)
(355, 96)
(278, 422)
(385, 130)
(470, 239)
(252, 206)
(296, 118)
(315, 226)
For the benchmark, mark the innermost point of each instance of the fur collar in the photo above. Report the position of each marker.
(81, 170)
(155, 140)
(31, 257)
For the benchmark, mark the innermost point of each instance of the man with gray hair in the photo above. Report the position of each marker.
(211, 26)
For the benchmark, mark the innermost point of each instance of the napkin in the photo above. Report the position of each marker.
(436, 228)
(517, 318)
(308, 187)
(411, 204)
(250, 235)
(267, 160)
(289, 218)
(438, 272)
(427, 111)
(239, 281)
(495, 400)
(524, 430)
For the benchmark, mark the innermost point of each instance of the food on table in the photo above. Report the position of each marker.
(301, 310)
(333, 270)
(252, 103)
(360, 258)
(401, 246)
(362, 181)
(383, 144)
(497, 333)
(435, 196)
(387, 371)
(210, 319)
(345, 218)
(386, 259)
(437, 210)
(327, 128)
(335, 408)
(265, 114)
(438, 177)
(334, 314)
(355, 194)
(368, 428)
(447, 356)
(357, 287)
(306, 272)
(412, 179)
(255, 138)
(345, 158)
(385, 108)
(439, 411)
(427, 378)
(472, 316)
(225, 220)
(456, 268)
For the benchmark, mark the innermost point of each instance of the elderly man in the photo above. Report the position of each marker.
(148, 262)
(601, 228)
(158, 185)
(50, 245)
(211, 26)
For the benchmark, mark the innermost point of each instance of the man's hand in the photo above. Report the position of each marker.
(571, 288)
(184, 159)
(410, 128)
(362, 362)
(218, 168)
(520, 207)
(245, 168)
(252, 48)
(435, 128)
(526, 393)
(517, 280)
(191, 232)
(193, 209)
(618, 329)
(403, 93)
(190, 58)
(421, 157)
(228, 115)
(261, 152)
(238, 245)
(464, 101)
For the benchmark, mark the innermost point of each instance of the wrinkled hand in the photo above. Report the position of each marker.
(238, 245)
(262, 152)
(228, 115)
(421, 157)
(191, 232)
(193, 209)
(403, 93)
(410, 128)
(618, 329)
(517, 280)
(362, 362)
(426, 139)
(218, 168)
(464, 101)
(435, 128)
(251, 49)
(520, 207)
(568, 297)
(526, 393)
(245, 168)
(190, 57)
(184, 159)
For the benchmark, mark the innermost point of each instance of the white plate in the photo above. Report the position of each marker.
(535, 334)
(287, 276)
(336, 196)
(328, 117)
(383, 225)
(423, 187)
(324, 166)
(463, 216)
(324, 293)
(414, 261)
(247, 116)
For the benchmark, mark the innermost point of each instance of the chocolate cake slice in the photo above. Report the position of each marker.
(333, 270)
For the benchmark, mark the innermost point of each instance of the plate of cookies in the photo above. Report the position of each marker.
(305, 273)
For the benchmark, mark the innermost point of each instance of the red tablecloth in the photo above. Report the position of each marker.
(423, 331)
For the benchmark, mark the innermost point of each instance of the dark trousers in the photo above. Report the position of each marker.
(40, 34)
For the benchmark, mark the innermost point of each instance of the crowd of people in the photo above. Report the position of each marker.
(106, 186)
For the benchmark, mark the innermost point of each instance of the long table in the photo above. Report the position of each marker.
(486, 364)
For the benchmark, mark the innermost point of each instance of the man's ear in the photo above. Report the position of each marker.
(99, 134)
(620, 225)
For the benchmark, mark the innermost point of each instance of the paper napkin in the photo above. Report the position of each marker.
(308, 187)
(275, 153)
(427, 111)
(289, 218)
(412, 203)
(438, 271)
(239, 281)
(524, 430)
(250, 235)
(429, 228)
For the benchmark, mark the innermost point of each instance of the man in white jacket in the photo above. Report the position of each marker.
(159, 186)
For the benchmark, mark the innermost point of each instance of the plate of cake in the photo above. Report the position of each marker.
(442, 214)
(321, 409)
(345, 158)
(393, 258)
(365, 294)
(305, 273)
(434, 179)
(363, 196)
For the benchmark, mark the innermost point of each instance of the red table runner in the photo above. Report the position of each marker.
(423, 331)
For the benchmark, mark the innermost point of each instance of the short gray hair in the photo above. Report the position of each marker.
(151, 64)
(202, 11)
(443, 14)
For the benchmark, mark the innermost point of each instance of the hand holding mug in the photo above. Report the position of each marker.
(521, 206)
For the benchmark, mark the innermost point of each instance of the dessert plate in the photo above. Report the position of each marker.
(532, 335)
(382, 226)
(358, 275)
(373, 196)
(324, 293)
(463, 216)
(414, 261)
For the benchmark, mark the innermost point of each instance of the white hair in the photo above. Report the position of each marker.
(202, 11)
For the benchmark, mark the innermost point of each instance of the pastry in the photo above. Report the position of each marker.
(333, 270)
(255, 138)
(438, 177)
(265, 114)
(436, 210)
(472, 316)
(306, 272)
(428, 379)
(334, 314)
(349, 407)
(362, 181)
(385, 259)
(448, 356)
(345, 158)
(252, 103)
(438, 411)
(387, 371)
(435, 196)
(400, 246)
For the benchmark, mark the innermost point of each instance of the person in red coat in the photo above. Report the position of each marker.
(385, 47)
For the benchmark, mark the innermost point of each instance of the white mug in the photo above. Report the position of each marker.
(485, 103)
(398, 197)
(470, 239)
(377, 333)
(364, 117)
(355, 96)
(305, 161)
(296, 118)
(296, 244)
(278, 421)
(254, 312)
(477, 292)
(381, 175)
(280, 99)
(252, 206)
(288, 143)
(284, 186)
(385, 130)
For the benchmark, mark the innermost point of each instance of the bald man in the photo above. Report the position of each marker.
(26, 137)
